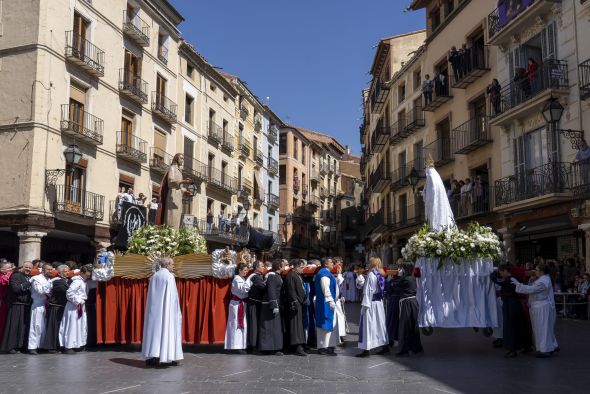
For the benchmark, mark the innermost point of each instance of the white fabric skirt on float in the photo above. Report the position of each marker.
(456, 295)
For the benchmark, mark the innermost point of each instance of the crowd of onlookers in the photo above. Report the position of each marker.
(467, 197)
(128, 195)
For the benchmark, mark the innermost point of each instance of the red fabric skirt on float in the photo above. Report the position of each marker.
(120, 307)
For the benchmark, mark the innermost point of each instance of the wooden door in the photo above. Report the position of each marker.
(79, 36)
(126, 132)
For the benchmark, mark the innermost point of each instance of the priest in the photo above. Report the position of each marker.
(326, 294)
(162, 327)
(409, 332)
(372, 325)
(271, 330)
(257, 288)
(237, 327)
(73, 330)
(40, 288)
(55, 308)
(294, 298)
(16, 328)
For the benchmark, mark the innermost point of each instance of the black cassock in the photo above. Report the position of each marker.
(271, 331)
(16, 331)
(253, 306)
(514, 328)
(409, 333)
(392, 292)
(55, 311)
(293, 299)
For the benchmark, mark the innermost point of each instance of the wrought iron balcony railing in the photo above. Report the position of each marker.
(163, 54)
(552, 74)
(221, 180)
(136, 28)
(195, 170)
(379, 92)
(440, 150)
(245, 147)
(380, 178)
(314, 200)
(441, 93)
(258, 157)
(471, 135)
(584, 73)
(580, 178)
(415, 120)
(507, 13)
(163, 106)
(315, 176)
(85, 54)
(160, 160)
(469, 68)
(133, 86)
(215, 132)
(273, 201)
(77, 201)
(546, 179)
(477, 202)
(131, 147)
(273, 133)
(81, 125)
(400, 177)
(228, 141)
(272, 166)
(411, 215)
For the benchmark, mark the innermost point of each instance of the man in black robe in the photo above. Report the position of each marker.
(513, 317)
(293, 299)
(16, 331)
(409, 333)
(55, 309)
(271, 331)
(392, 293)
(254, 303)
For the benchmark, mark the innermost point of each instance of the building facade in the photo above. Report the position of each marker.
(97, 81)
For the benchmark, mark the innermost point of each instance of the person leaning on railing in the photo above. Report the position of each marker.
(583, 159)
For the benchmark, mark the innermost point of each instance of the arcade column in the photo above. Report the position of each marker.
(29, 245)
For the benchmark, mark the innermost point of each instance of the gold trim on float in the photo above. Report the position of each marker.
(188, 266)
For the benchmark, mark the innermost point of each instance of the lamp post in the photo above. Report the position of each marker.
(552, 112)
(73, 155)
(413, 179)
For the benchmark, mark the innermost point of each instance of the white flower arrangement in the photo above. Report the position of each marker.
(475, 241)
(223, 269)
(104, 268)
(160, 241)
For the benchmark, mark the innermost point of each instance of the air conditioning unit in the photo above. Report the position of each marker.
(575, 212)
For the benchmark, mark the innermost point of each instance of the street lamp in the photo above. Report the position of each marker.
(73, 155)
(413, 179)
(552, 110)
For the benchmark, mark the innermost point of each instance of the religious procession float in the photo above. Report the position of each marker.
(452, 266)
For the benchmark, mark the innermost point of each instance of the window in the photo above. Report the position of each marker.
(126, 129)
(223, 170)
(188, 109)
(159, 144)
(189, 148)
(435, 19)
(303, 155)
(160, 90)
(212, 87)
(282, 174)
(417, 79)
(77, 103)
(295, 148)
(449, 7)
(189, 70)
(240, 173)
(163, 47)
(132, 67)
(210, 165)
(401, 92)
(270, 223)
(255, 143)
(212, 122)
(79, 36)
(283, 144)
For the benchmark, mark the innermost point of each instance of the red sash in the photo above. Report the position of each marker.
(241, 311)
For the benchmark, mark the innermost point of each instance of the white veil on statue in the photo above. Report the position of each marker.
(439, 214)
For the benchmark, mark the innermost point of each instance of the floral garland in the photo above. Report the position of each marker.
(475, 241)
(104, 267)
(159, 241)
(223, 263)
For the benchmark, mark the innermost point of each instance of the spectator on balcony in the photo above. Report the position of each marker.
(228, 223)
(427, 90)
(455, 60)
(153, 208)
(583, 151)
(221, 221)
(531, 73)
(478, 194)
(466, 59)
(119, 201)
(494, 91)
(209, 221)
(453, 195)
(522, 84)
(141, 199)
(465, 208)
(129, 196)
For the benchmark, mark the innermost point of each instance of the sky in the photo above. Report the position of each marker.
(308, 59)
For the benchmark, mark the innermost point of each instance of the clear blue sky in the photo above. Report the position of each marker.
(310, 57)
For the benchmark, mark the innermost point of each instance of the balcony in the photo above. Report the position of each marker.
(323, 192)
(528, 94)
(160, 160)
(584, 73)
(379, 92)
(228, 141)
(476, 66)
(244, 112)
(74, 201)
(304, 191)
(381, 135)
(245, 148)
(272, 166)
(132, 148)
(546, 183)
(258, 158)
(273, 202)
(409, 217)
(258, 123)
(323, 168)
(478, 202)
(400, 177)
(214, 132)
(415, 121)
(221, 181)
(314, 201)
(164, 107)
(163, 54)
(273, 133)
(440, 95)
(224, 233)
(471, 135)
(114, 214)
(245, 187)
(315, 176)
(195, 170)
(296, 186)
(580, 178)
(133, 86)
(503, 23)
(137, 29)
(84, 54)
(398, 130)
(440, 150)
(81, 125)
(381, 178)
(331, 167)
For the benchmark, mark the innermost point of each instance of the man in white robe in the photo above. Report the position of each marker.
(373, 324)
(542, 310)
(162, 327)
(236, 338)
(40, 288)
(340, 315)
(73, 330)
